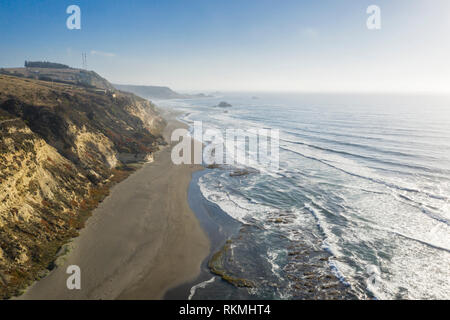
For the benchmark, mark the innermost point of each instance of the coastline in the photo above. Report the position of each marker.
(219, 227)
(141, 241)
(252, 259)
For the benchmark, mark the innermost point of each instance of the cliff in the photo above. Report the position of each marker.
(151, 92)
(61, 147)
(68, 75)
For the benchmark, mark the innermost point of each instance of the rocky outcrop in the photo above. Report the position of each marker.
(224, 104)
(61, 148)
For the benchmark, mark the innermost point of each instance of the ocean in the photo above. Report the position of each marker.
(358, 209)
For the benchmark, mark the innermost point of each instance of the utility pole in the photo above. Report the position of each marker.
(84, 59)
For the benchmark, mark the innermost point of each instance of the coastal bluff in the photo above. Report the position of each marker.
(62, 146)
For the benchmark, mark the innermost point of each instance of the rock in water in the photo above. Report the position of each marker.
(224, 104)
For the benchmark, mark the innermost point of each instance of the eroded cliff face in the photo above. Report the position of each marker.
(61, 148)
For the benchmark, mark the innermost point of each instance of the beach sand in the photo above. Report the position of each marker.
(140, 242)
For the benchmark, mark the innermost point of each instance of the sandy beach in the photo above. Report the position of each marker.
(140, 242)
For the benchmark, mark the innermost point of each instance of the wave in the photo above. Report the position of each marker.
(201, 285)
(380, 204)
(376, 151)
(378, 181)
(378, 160)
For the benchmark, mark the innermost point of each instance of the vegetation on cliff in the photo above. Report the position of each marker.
(54, 72)
(61, 148)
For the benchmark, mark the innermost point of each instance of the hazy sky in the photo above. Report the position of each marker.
(277, 45)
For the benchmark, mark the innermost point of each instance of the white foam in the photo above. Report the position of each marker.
(201, 285)
(380, 214)
(236, 206)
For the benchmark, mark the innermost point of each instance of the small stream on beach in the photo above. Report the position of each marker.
(359, 207)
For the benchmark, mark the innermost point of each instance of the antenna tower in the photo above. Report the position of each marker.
(84, 58)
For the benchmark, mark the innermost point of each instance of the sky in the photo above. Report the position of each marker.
(240, 45)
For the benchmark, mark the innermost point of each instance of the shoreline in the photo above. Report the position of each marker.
(219, 227)
(141, 241)
(248, 260)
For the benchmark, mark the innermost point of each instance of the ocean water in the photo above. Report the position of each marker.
(361, 195)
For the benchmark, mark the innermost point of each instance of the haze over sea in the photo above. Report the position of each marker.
(364, 177)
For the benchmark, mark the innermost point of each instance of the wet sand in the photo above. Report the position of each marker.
(140, 242)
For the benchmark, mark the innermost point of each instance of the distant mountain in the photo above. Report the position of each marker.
(151, 92)
(156, 92)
